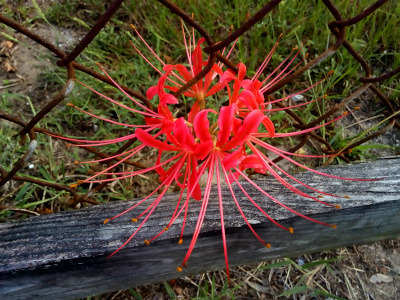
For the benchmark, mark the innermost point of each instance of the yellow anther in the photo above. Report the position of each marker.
(333, 226)
(166, 228)
(350, 150)
(338, 206)
(146, 242)
(90, 171)
(281, 35)
(345, 113)
(320, 196)
(268, 245)
(134, 220)
(73, 185)
(295, 48)
(331, 72)
(325, 96)
(106, 221)
(291, 230)
(180, 241)
(133, 26)
(68, 145)
(80, 181)
(76, 162)
(357, 107)
(307, 54)
(192, 15)
(231, 26)
(70, 104)
(347, 197)
(179, 269)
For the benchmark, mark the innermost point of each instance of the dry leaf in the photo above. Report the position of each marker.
(168, 59)
(301, 151)
(6, 44)
(378, 278)
(9, 67)
(258, 287)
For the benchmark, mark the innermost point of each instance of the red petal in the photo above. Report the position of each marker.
(269, 126)
(203, 149)
(250, 125)
(151, 92)
(150, 141)
(225, 124)
(248, 99)
(242, 71)
(252, 161)
(160, 171)
(233, 159)
(195, 110)
(201, 125)
(181, 133)
(168, 99)
(196, 194)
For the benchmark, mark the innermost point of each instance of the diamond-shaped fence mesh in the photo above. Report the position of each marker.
(67, 61)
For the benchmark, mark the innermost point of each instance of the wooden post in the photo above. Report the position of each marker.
(64, 255)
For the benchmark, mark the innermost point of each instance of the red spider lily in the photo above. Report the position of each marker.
(224, 149)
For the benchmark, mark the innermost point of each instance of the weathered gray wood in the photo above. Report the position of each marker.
(65, 255)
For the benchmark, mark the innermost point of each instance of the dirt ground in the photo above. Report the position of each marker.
(362, 272)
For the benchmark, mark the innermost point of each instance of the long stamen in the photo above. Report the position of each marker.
(107, 120)
(202, 209)
(279, 77)
(174, 215)
(138, 172)
(221, 211)
(280, 203)
(267, 59)
(186, 47)
(307, 168)
(296, 132)
(277, 68)
(240, 209)
(298, 181)
(141, 201)
(151, 114)
(266, 161)
(257, 206)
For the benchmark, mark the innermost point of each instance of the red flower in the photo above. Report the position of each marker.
(226, 148)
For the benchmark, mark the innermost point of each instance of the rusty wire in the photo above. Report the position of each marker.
(337, 27)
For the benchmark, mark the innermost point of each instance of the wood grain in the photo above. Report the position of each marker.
(64, 256)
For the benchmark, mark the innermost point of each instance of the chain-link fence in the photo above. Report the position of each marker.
(67, 61)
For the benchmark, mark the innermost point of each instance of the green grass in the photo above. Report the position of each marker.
(300, 21)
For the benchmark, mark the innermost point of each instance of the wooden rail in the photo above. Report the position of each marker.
(64, 255)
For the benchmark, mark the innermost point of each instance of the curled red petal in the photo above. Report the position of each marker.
(196, 194)
(247, 98)
(269, 126)
(148, 140)
(225, 124)
(168, 99)
(252, 161)
(250, 125)
(201, 125)
(194, 111)
(203, 149)
(182, 134)
(151, 92)
(247, 84)
(242, 71)
(234, 159)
